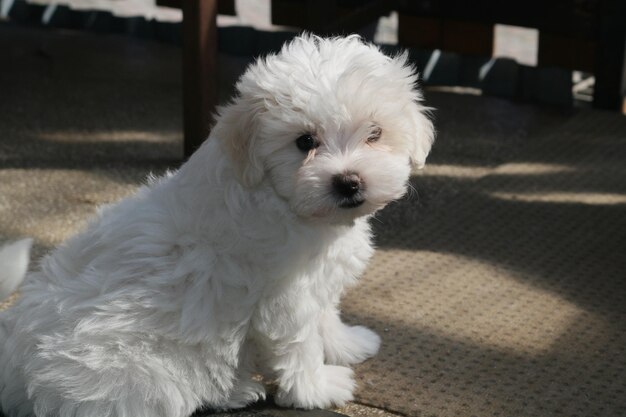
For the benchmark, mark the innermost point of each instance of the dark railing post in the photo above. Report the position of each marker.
(610, 71)
(199, 70)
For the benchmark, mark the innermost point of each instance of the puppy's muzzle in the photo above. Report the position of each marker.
(348, 187)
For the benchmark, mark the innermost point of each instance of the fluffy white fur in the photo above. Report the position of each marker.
(171, 299)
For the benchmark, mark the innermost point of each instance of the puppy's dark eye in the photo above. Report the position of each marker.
(307, 142)
(375, 134)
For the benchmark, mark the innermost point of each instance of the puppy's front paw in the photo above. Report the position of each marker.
(353, 345)
(245, 393)
(332, 386)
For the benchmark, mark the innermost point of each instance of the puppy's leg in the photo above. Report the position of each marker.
(343, 344)
(304, 381)
(246, 390)
(123, 375)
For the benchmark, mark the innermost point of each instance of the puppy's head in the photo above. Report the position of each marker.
(334, 125)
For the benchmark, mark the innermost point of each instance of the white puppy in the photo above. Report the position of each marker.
(173, 298)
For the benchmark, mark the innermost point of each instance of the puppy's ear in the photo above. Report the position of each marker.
(424, 134)
(236, 129)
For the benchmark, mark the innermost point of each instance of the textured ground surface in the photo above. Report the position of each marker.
(499, 288)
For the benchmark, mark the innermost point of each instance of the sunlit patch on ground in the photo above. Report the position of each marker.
(563, 197)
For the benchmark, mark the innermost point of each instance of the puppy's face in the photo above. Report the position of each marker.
(334, 125)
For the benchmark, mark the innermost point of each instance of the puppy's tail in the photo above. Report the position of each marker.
(14, 260)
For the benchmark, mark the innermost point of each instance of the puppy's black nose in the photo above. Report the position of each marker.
(348, 184)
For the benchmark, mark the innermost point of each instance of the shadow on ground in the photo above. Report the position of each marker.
(510, 256)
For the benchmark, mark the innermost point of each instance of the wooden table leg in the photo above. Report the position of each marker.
(199, 70)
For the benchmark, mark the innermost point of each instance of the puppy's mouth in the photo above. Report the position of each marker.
(348, 203)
